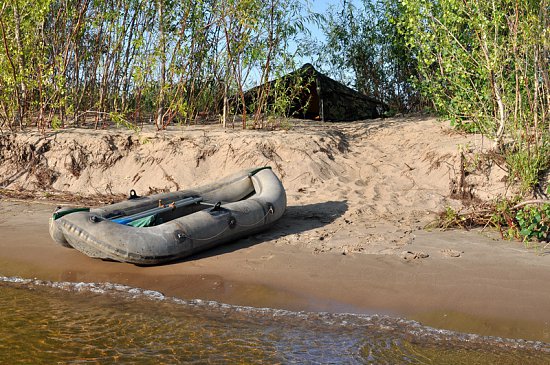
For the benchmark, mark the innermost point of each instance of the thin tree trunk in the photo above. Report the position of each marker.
(263, 92)
(225, 105)
(17, 116)
(160, 107)
(125, 73)
(21, 65)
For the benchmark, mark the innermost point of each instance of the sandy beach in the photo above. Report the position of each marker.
(352, 239)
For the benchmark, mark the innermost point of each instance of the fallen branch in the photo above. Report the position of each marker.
(527, 202)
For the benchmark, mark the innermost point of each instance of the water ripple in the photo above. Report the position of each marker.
(45, 322)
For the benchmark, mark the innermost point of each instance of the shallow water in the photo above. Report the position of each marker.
(51, 322)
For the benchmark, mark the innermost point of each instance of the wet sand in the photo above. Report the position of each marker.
(494, 287)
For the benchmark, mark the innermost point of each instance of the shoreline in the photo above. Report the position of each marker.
(494, 288)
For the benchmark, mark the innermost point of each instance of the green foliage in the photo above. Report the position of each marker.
(120, 121)
(501, 216)
(528, 221)
(365, 50)
(286, 94)
(534, 223)
(55, 122)
(527, 164)
(484, 65)
(164, 60)
(450, 217)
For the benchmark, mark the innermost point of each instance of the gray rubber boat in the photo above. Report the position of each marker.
(165, 227)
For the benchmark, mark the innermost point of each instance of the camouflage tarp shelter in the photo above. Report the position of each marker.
(321, 97)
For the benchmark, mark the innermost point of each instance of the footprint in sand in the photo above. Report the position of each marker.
(410, 255)
(448, 252)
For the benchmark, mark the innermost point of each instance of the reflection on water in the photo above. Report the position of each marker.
(44, 322)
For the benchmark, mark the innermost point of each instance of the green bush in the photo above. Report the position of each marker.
(534, 223)
(485, 66)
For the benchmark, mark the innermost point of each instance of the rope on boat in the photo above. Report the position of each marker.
(209, 238)
(269, 211)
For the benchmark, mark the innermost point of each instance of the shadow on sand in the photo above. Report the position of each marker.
(297, 219)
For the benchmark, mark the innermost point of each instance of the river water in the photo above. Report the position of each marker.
(43, 322)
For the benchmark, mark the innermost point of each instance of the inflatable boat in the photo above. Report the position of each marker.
(165, 227)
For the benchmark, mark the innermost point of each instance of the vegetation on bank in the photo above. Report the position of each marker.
(527, 221)
(484, 65)
(134, 61)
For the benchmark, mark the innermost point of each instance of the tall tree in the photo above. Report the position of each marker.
(366, 50)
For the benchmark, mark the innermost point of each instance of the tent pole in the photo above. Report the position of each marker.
(319, 94)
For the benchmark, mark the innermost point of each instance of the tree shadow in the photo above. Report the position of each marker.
(297, 219)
